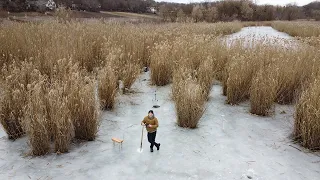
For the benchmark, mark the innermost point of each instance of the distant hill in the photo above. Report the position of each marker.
(311, 7)
(25, 5)
(228, 10)
(312, 10)
(138, 6)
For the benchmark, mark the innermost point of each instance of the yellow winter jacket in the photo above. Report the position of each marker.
(153, 122)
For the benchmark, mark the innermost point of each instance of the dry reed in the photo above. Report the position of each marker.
(263, 92)
(15, 81)
(300, 29)
(205, 75)
(294, 70)
(161, 64)
(60, 117)
(107, 87)
(84, 106)
(68, 52)
(307, 117)
(241, 70)
(36, 119)
(189, 99)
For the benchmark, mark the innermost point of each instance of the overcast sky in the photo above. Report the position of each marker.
(273, 2)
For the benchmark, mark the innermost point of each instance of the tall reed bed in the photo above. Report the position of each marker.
(84, 106)
(298, 29)
(162, 63)
(268, 75)
(107, 87)
(60, 117)
(52, 110)
(14, 84)
(189, 98)
(276, 74)
(190, 61)
(240, 70)
(263, 91)
(56, 76)
(307, 117)
(193, 76)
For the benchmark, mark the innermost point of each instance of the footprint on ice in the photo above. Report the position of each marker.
(140, 150)
(249, 174)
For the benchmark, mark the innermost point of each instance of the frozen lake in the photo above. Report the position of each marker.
(260, 32)
(229, 143)
(251, 36)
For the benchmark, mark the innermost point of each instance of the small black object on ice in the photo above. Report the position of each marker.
(249, 177)
(155, 106)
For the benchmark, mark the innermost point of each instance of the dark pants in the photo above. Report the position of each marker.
(152, 139)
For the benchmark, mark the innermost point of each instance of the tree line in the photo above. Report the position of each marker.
(138, 6)
(224, 10)
(243, 10)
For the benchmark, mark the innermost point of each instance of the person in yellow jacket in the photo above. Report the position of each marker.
(151, 123)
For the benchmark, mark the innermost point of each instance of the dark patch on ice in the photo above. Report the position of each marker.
(145, 69)
(155, 106)
(283, 112)
(133, 103)
(249, 177)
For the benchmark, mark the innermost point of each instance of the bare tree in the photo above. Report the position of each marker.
(210, 14)
(197, 13)
(164, 12)
(292, 12)
(246, 11)
(181, 16)
(316, 14)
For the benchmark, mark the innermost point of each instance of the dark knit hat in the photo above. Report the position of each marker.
(151, 111)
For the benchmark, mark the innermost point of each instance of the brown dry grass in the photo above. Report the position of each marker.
(241, 69)
(76, 67)
(129, 74)
(60, 118)
(220, 54)
(72, 69)
(205, 75)
(161, 64)
(286, 80)
(189, 99)
(294, 69)
(307, 117)
(291, 68)
(263, 92)
(10, 116)
(14, 99)
(36, 119)
(107, 87)
(84, 106)
(299, 29)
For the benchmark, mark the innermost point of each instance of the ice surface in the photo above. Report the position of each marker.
(229, 143)
(261, 32)
(250, 36)
(247, 146)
